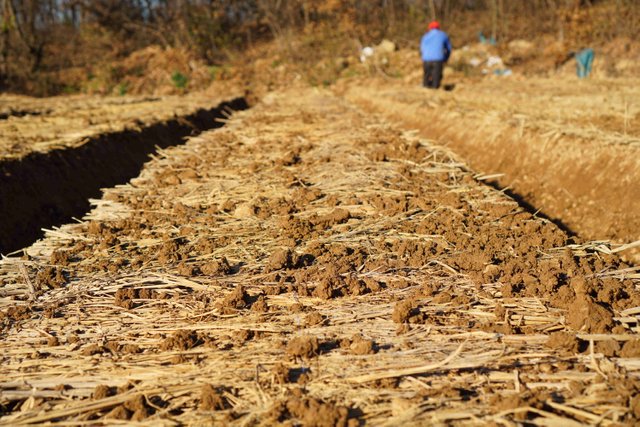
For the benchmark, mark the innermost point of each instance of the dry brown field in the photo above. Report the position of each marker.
(569, 148)
(318, 262)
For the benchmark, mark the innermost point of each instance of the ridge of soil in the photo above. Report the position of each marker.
(69, 121)
(312, 264)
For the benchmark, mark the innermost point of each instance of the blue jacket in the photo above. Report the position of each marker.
(435, 46)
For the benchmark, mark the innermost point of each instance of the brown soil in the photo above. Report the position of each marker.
(312, 413)
(312, 264)
(304, 346)
(546, 140)
(181, 340)
(212, 399)
(50, 176)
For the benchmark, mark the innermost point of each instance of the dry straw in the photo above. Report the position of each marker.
(437, 372)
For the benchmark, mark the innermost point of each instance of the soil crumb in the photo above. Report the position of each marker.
(212, 399)
(304, 346)
(312, 412)
(102, 391)
(407, 311)
(181, 340)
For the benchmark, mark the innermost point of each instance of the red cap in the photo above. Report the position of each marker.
(434, 25)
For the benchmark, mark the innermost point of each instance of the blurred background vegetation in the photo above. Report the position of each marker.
(51, 47)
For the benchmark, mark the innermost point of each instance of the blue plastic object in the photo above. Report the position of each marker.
(584, 62)
(483, 39)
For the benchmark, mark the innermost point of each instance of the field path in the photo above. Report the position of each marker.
(312, 263)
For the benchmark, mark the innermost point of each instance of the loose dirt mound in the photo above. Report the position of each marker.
(312, 264)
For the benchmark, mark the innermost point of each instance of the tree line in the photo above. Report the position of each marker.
(41, 36)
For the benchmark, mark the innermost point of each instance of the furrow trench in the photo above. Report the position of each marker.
(43, 190)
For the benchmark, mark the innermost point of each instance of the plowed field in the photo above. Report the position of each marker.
(569, 149)
(56, 153)
(311, 263)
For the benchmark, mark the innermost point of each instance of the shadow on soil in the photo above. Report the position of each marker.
(522, 201)
(20, 113)
(44, 190)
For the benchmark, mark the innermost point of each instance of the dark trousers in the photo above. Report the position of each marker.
(432, 74)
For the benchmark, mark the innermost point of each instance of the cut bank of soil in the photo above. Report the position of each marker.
(311, 264)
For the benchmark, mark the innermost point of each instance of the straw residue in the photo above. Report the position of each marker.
(311, 262)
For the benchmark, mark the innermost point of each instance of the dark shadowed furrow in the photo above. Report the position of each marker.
(48, 189)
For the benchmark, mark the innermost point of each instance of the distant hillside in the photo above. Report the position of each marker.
(53, 47)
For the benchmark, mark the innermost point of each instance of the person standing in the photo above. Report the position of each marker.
(435, 48)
